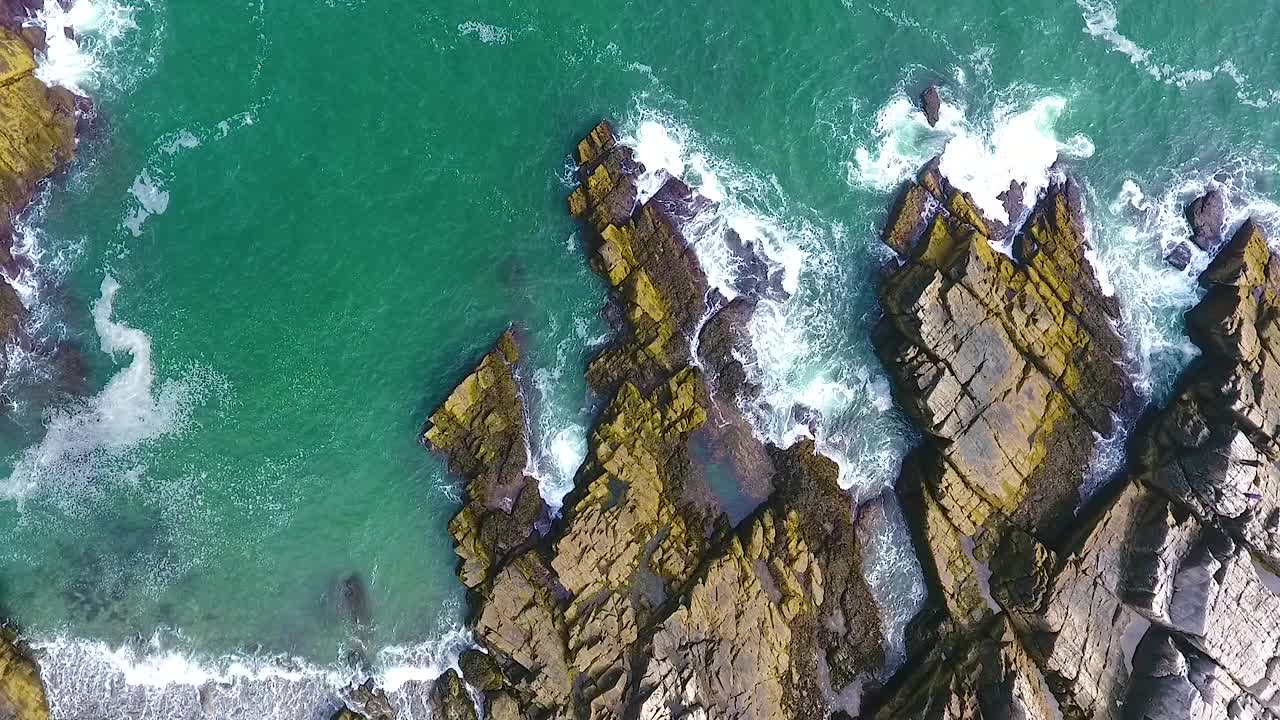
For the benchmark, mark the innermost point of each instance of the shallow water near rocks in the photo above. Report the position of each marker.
(297, 224)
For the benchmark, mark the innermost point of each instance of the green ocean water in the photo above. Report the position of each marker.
(320, 214)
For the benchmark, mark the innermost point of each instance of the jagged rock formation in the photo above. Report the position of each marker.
(481, 430)
(1155, 599)
(1010, 365)
(641, 600)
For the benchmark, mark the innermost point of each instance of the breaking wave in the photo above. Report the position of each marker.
(97, 46)
(160, 678)
(1018, 143)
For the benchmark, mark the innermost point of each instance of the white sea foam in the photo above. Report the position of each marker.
(150, 197)
(162, 678)
(558, 421)
(668, 148)
(1018, 143)
(78, 36)
(149, 193)
(485, 33)
(1137, 229)
(92, 442)
(1102, 22)
(893, 573)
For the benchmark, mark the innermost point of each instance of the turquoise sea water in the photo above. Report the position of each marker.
(295, 225)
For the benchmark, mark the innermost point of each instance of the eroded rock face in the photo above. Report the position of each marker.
(481, 429)
(1155, 600)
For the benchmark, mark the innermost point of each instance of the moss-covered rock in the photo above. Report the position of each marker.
(481, 671)
(450, 699)
(1155, 600)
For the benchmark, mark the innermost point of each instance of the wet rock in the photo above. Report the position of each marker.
(366, 702)
(1179, 256)
(725, 348)
(641, 599)
(38, 132)
(909, 218)
(450, 699)
(1207, 216)
(481, 429)
(931, 104)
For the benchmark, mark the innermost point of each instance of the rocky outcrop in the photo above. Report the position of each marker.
(1011, 365)
(481, 429)
(21, 691)
(931, 104)
(450, 699)
(1207, 216)
(37, 136)
(641, 598)
(1152, 601)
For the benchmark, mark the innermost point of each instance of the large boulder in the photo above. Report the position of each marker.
(450, 699)
(1207, 216)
